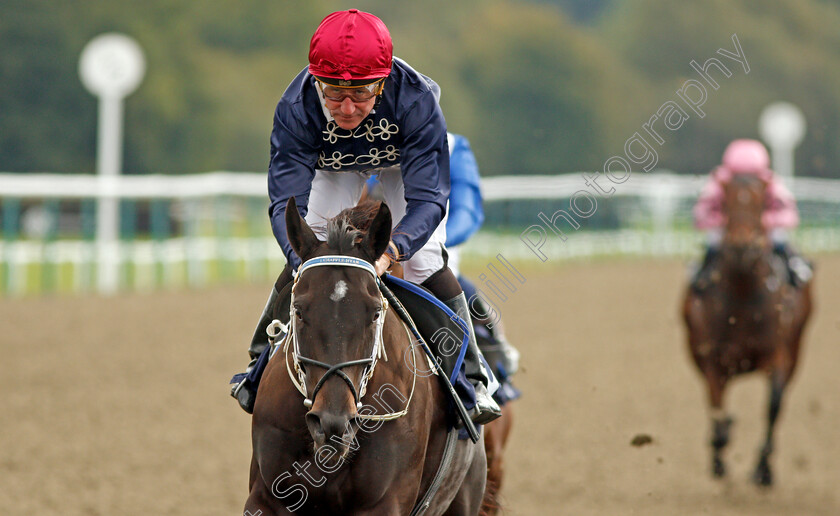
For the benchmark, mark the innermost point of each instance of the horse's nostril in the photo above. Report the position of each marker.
(313, 421)
(325, 425)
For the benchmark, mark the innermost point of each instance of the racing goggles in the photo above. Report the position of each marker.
(354, 93)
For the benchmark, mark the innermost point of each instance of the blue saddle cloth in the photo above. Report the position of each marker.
(433, 319)
(440, 327)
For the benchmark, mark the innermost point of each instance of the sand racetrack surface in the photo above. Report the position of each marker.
(121, 406)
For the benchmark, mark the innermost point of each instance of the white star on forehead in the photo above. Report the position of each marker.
(339, 292)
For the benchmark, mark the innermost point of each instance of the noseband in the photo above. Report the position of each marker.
(298, 359)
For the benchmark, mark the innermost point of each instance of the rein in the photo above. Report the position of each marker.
(298, 377)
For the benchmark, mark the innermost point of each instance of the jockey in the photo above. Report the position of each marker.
(780, 215)
(356, 111)
(465, 216)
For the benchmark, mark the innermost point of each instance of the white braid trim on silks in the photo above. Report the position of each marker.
(298, 378)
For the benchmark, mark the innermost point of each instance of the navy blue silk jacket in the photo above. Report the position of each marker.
(405, 128)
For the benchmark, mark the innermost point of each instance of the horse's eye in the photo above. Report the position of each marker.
(377, 314)
(298, 314)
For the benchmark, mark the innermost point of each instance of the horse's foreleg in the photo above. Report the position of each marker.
(274, 500)
(493, 447)
(468, 500)
(389, 507)
(802, 316)
(721, 422)
(763, 475)
(257, 503)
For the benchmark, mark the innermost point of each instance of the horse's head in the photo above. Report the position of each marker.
(337, 313)
(745, 239)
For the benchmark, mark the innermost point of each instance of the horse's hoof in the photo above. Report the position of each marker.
(718, 468)
(763, 477)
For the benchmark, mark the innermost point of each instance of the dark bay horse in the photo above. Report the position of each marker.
(749, 318)
(497, 432)
(317, 445)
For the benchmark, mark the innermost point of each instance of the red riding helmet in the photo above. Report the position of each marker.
(351, 48)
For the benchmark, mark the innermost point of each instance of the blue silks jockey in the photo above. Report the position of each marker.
(465, 216)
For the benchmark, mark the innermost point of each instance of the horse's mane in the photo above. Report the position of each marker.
(346, 229)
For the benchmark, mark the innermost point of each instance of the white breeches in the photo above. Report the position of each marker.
(454, 262)
(335, 191)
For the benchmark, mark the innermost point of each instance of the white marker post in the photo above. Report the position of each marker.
(111, 67)
(782, 126)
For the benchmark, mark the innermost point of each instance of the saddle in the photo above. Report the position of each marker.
(787, 268)
(439, 327)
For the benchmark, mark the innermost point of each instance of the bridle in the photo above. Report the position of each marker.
(298, 377)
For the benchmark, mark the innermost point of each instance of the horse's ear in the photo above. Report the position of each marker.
(379, 233)
(301, 236)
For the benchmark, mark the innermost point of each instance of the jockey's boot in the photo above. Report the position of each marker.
(245, 384)
(498, 350)
(702, 277)
(245, 389)
(486, 409)
(798, 269)
(501, 352)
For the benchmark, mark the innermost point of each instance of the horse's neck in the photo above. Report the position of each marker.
(742, 284)
(747, 283)
(401, 352)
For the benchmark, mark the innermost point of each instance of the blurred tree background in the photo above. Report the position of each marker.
(539, 86)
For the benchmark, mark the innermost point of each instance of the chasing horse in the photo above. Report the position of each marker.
(348, 419)
(747, 306)
(492, 343)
